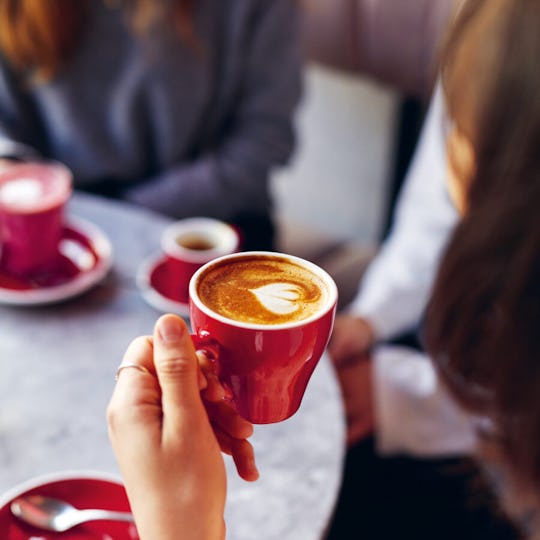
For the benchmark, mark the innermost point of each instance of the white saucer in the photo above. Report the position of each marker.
(86, 259)
(151, 282)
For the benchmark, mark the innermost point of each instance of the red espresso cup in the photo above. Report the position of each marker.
(264, 319)
(192, 242)
(32, 201)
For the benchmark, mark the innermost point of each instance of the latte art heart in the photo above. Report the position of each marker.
(262, 289)
(279, 298)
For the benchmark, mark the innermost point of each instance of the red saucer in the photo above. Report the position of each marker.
(156, 288)
(83, 490)
(85, 257)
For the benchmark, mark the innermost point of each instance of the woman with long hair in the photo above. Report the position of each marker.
(484, 316)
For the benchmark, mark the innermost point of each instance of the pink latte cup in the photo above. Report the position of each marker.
(32, 200)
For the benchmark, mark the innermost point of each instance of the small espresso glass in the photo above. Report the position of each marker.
(264, 319)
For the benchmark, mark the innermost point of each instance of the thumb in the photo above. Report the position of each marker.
(176, 366)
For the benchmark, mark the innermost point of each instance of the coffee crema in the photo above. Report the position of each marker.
(262, 289)
(195, 242)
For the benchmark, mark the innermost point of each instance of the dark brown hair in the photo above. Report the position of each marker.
(39, 36)
(483, 321)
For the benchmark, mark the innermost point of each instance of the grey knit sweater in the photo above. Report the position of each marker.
(182, 130)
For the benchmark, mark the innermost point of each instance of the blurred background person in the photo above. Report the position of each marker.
(410, 443)
(483, 317)
(181, 106)
(407, 437)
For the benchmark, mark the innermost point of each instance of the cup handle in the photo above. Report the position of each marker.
(210, 348)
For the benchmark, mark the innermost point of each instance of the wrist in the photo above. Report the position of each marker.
(163, 521)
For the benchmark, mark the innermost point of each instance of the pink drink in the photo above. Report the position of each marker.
(32, 201)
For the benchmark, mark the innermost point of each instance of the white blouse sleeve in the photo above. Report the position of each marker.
(415, 415)
(397, 284)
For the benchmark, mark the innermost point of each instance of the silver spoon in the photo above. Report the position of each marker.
(55, 515)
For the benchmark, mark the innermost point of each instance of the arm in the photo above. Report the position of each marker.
(397, 284)
(407, 407)
(234, 176)
(396, 394)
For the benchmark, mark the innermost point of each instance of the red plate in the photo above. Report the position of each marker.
(82, 490)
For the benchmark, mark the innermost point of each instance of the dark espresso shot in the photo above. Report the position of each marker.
(195, 242)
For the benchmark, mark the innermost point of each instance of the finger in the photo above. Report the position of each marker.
(176, 366)
(224, 415)
(223, 440)
(136, 396)
(214, 390)
(202, 380)
(130, 380)
(244, 460)
(242, 453)
(140, 351)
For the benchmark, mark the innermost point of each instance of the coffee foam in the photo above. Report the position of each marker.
(21, 192)
(263, 289)
(33, 187)
(279, 298)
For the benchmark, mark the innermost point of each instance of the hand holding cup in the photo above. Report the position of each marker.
(265, 319)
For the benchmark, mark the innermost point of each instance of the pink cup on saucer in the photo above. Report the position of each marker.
(189, 244)
(32, 200)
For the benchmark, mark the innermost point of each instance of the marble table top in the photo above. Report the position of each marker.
(57, 365)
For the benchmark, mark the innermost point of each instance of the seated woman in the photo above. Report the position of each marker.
(482, 324)
(184, 107)
(484, 314)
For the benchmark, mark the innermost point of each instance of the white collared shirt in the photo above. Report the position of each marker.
(415, 415)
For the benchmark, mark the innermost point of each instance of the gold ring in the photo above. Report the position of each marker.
(130, 365)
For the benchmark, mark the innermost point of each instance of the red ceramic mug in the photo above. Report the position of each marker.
(192, 242)
(265, 318)
(32, 200)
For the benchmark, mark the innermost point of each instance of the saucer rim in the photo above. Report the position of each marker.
(57, 476)
(82, 282)
(151, 295)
